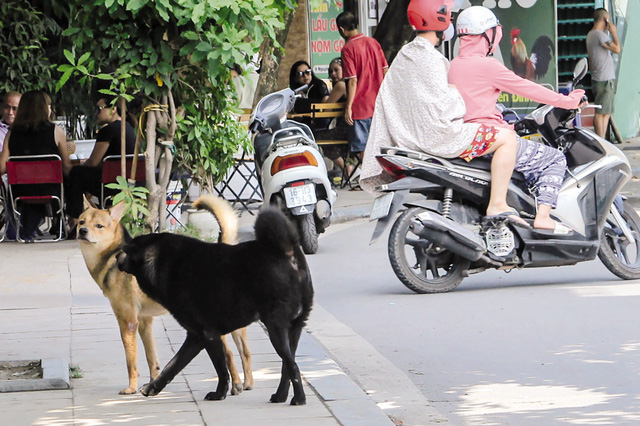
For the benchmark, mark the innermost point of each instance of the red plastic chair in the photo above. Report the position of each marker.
(4, 214)
(111, 169)
(44, 171)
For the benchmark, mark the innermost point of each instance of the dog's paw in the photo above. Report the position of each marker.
(149, 390)
(236, 389)
(299, 401)
(128, 391)
(278, 398)
(216, 396)
(247, 387)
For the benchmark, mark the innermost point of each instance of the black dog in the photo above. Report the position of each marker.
(213, 289)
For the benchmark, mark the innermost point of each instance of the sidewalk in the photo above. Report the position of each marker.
(631, 190)
(50, 308)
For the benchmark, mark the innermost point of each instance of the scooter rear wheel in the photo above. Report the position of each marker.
(619, 255)
(422, 266)
(308, 233)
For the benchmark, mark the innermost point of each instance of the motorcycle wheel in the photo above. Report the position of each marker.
(308, 233)
(619, 255)
(421, 265)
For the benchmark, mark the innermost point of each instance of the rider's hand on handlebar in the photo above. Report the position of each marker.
(584, 102)
(576, 96)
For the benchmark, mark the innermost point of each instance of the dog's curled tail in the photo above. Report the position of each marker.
(225, 215)
(274, 228)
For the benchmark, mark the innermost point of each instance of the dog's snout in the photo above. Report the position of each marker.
(83, 231)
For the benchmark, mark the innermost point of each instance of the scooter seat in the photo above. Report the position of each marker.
(482, 163)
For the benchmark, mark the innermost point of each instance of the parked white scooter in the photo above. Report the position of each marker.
(292, 171)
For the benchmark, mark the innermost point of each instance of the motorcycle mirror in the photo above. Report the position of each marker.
(301, 89)
(580, 70)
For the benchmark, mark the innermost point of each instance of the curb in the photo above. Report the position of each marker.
(346, 214)
(55, 376)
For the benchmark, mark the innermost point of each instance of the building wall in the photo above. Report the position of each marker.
(627, 102)
(297, 44)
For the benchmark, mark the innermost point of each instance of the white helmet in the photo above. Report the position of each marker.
(476, 20)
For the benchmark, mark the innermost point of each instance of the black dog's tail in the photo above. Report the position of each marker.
(273, 228)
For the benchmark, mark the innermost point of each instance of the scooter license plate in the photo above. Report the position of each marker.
(381, 206)
(296, 196)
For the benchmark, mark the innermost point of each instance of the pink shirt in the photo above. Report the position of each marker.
(362, 57)
(481, 79)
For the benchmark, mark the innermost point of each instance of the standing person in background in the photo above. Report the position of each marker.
(8, 110)
(364, 66)
(603, 75)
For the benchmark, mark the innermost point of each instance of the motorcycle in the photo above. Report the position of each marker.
(442, 236)
(293, 174)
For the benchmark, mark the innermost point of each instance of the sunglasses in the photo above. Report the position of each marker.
(99, 108)
(301, 73)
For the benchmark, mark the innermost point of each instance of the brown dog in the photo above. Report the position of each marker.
(101, 237)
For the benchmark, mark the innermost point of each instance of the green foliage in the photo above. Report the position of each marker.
(148, 47)
(207, 144)
(75, 372)
(24, 32)
(135, 199)
(193, 232)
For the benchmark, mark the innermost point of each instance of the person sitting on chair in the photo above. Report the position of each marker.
(317, 91)
(88, 176)
(33, 133)
(337, 129)
(8, 110)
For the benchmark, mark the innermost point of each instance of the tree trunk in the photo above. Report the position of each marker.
(123, 138)
(270, 60)
(394, 30)
(150, 171)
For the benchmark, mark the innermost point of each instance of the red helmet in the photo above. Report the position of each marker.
(430, 15)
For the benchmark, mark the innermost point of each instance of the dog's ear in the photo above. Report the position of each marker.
(87, 202)
(117, 211)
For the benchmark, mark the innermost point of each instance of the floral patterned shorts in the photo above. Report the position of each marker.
(485, 136)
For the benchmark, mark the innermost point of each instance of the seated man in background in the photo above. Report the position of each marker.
(8, 110)
(88, 176)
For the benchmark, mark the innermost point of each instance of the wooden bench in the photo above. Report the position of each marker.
(331, 110)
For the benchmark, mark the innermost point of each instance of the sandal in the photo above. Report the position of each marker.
(512, 215)
(558, 230)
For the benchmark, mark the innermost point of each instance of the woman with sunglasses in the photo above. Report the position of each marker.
(316, 92)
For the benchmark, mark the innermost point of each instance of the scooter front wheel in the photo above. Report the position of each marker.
(620, 255)
(421, 265)
(308, 233)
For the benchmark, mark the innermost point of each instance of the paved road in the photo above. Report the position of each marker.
(539, 346)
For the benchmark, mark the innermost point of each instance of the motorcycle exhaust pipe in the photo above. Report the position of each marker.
(448, 234)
